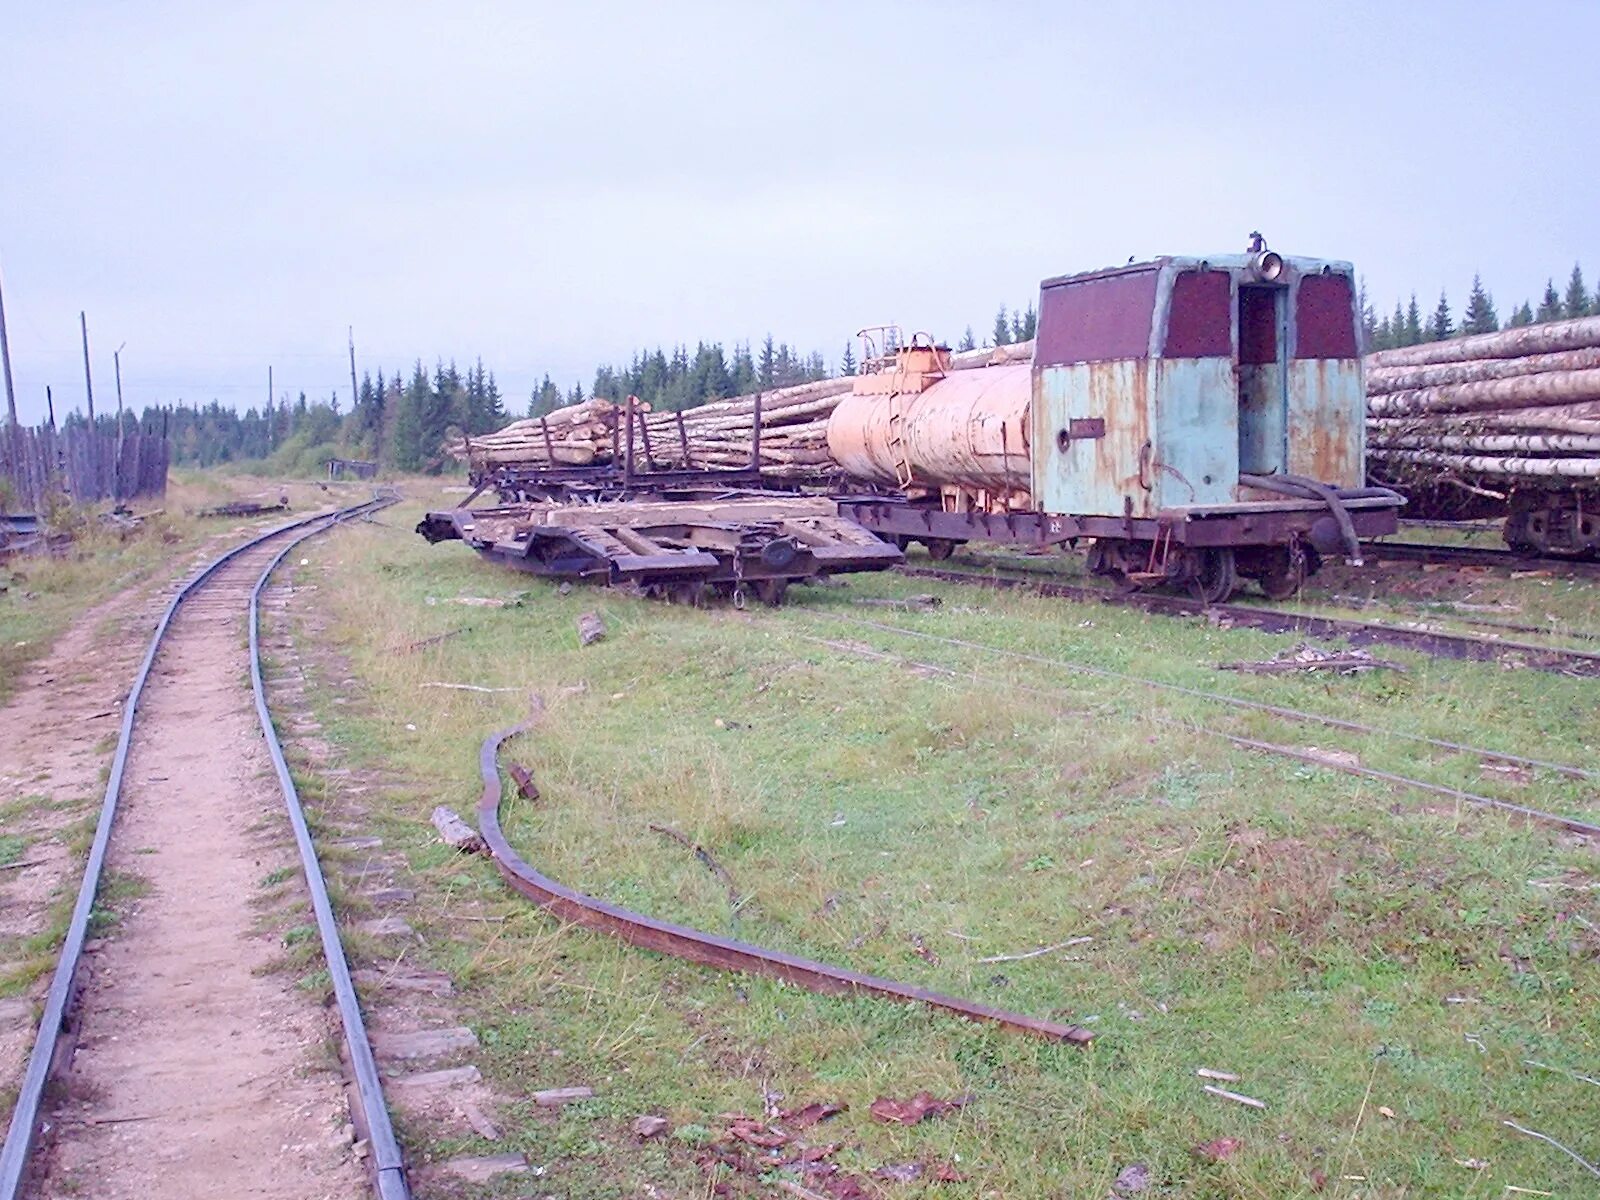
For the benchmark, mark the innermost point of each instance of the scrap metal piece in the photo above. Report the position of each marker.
(708, 949)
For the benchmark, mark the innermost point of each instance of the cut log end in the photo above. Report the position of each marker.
(456, 833)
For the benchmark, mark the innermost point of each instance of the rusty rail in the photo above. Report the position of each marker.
(708, 949)
(1361, 633)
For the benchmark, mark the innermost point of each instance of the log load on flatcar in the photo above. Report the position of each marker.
(1197, 420)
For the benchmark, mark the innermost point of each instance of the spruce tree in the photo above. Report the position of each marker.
(767, 366)
(1413, 323)
(1397, 327)
(968, 342)
(1550, 305)
(1577, 301)
(1002, 328)
(1521, 315)
(1369, 319)
(1440, 325)
(1480, 315)
(847, 362)
(1030, 324)
(1382, 337)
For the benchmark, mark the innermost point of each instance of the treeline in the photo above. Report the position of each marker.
(1407, 326)
(402, 420)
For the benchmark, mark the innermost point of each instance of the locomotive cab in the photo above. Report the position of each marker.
(1203, 419)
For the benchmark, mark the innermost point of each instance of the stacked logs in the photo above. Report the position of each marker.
(714, 436)
(1520, 403)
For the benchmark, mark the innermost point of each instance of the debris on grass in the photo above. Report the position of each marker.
(1249, 1101)
(456, 833)
(650, 1126)
(1306, 657)
(704, 855)
(1000, 958)
(909, 1112)
(555, 1097)
(523, 778)
(1131, 1180)
(591, 629)
(1218, 1149)
(1219, 1076)
(810, 1114)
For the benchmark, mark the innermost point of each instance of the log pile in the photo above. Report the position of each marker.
(718, 435)
(1518, 404)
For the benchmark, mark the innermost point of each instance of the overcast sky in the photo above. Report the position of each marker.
(224, 186)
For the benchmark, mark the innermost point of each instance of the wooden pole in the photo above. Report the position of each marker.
(88, 383)
(5, 363)
(50, 406)
(270, 446)
(116, 360)
(355, 393)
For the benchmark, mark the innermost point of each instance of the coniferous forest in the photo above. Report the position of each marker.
(403, 418)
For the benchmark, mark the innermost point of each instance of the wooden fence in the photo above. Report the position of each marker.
(82, 463)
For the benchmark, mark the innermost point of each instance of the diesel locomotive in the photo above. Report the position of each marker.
(1197, 421)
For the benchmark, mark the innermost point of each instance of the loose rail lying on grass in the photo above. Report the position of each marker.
(1570, 824)
(1479, 556)
(1276, 710)
(1360, 633)
(16, 1156)
(708, 949)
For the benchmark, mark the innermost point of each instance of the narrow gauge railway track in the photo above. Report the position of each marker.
(221, 586)
(1480, 556)
(1434, 643)
(1571, 824)
(708, 949)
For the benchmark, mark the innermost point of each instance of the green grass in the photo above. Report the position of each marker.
(1341, 945)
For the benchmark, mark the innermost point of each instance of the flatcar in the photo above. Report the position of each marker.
(1197, 421)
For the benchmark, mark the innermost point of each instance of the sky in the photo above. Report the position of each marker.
(224, 187)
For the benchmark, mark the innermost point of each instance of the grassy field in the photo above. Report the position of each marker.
(1377, 966)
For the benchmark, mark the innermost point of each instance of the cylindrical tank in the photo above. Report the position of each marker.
(969, 430)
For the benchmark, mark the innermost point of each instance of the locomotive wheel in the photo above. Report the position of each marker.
(1215, 577)
(772, 591)
(1284, 576)
(939, 549)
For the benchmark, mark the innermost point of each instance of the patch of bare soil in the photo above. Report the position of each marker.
(200, 1071)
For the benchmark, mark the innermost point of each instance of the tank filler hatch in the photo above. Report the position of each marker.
(890, 366)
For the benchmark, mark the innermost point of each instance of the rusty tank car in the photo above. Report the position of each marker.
(1197, 421)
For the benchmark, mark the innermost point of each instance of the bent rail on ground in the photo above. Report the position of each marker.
(708, 949)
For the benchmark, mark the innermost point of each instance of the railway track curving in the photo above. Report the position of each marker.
(227, 587)
(1434, 643)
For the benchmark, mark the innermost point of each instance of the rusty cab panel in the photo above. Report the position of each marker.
(1155, 385)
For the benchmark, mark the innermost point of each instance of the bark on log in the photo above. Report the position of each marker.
(1501, 443)
(1548, 338)
(1527, 391)
(1383, 380)
(1473, 464)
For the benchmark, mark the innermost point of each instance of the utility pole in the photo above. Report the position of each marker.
(355, 394)
(88, 383)
(116, 359)
(50, 405)
(5, 361)
(270, 418)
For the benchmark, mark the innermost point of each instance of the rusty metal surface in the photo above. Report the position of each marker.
(1098, 317)
(697, 946)
(967, 430)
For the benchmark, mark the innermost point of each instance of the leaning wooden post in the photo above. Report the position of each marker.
(88, 382)
(5, 365)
